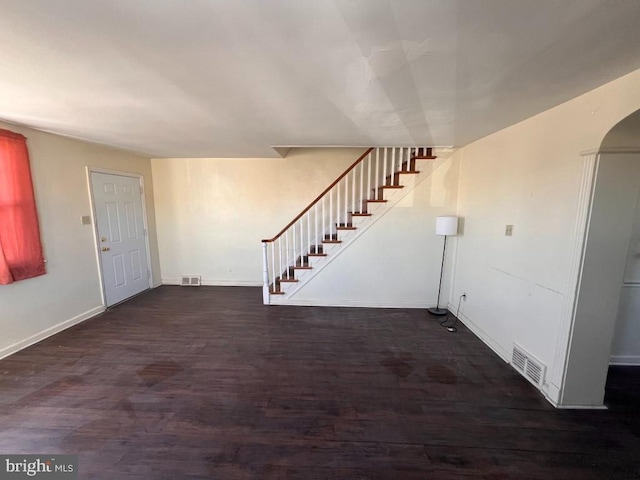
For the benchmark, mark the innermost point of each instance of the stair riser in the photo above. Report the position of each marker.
(374, 208)
(344, 235)
(330, 248)
(288, 287)
(391, 193)
(302, 274)
(359, 221)
(314, 262)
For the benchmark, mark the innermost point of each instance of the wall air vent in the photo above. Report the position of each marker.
(530, 367)
(190, 281)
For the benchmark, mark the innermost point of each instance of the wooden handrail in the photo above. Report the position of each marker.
(335, 182)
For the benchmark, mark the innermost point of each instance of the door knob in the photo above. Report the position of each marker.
(105, 249)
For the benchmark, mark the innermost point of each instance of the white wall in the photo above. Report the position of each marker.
(396, 262)
(212, 213)
(70, 291)
(531, 175)
(625, 348)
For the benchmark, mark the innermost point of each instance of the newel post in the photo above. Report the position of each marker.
(265, 275)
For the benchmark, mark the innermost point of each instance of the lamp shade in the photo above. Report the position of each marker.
(447, 225)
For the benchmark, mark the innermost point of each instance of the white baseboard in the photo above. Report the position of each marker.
(625, 360)
(578, 407)
(216, 283)
(27, 342)
(553, 397)
(552, 393)
(478, 332)
(347, 303)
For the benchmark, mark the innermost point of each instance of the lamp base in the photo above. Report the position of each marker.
(438, 312)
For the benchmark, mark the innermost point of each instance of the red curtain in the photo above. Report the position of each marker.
(20, 248)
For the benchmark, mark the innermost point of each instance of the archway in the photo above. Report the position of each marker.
(613, 211)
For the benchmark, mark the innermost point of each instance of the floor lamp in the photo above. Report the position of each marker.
(445, 226)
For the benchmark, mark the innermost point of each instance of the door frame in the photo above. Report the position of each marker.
(96, 235)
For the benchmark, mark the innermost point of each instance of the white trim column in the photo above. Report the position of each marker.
(556, 375)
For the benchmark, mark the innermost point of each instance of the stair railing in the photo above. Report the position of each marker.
(332, 210)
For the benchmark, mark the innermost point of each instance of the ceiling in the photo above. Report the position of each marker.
(234, 78)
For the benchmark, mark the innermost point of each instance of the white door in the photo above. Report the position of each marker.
(117, 201)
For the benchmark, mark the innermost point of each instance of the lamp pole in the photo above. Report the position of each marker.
(440, 311)
(445, 226)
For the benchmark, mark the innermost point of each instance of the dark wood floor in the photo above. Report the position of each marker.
(208, 383)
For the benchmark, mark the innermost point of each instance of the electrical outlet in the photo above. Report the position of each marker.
(508, 231)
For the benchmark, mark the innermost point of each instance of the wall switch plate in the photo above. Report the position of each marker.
(86, 220)
(508, 231)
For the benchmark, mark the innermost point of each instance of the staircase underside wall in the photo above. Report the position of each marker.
(396, 262)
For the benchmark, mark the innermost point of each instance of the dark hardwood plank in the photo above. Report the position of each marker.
(209, 383)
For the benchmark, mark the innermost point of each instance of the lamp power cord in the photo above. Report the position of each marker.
(452, 327)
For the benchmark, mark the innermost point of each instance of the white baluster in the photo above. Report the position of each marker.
(308, 234)
(377, 177)
(368, 180)
(330, 212)
(346, 198)
(337, 204)
(293, 238)
(393, 167)
(353, 188)
(384, 167)
(286, 258)
(324, 216)
(273, 264)
(316, 222)
(355, 207)
(265, 275)
(281, 251)
(302, 242)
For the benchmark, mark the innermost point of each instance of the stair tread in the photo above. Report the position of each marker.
(276, 292)
(331, 241)
(302, 268)
(360, 214)
(376, 201)
(424, 157)
(392, 186)
(345, 228)
(408, 171)
(317, 254)
(288, 280)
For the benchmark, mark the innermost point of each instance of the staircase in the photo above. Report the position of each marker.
(352, 203)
